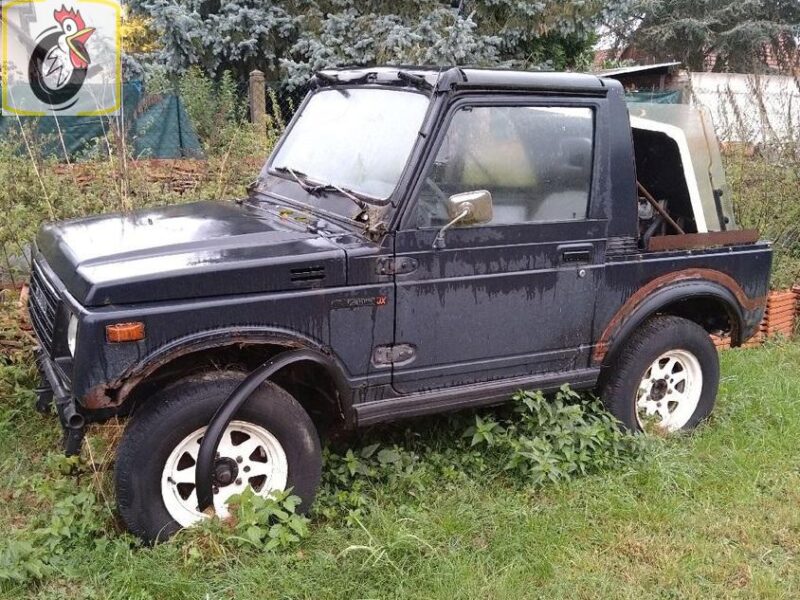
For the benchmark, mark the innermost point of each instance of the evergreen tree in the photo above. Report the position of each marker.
(289, 39)
(725, 35)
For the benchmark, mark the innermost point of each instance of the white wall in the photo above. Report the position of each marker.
(750, 108)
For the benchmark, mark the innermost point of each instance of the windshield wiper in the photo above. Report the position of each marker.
(300, 177)
(311, 188)
(326, 187)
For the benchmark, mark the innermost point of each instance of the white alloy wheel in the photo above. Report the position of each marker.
(247, 455)
(669, 392)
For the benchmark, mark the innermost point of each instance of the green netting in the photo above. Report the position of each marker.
(161, 130)
(654, 97)
(164, 131)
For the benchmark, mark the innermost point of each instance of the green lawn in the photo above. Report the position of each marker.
(712, 514)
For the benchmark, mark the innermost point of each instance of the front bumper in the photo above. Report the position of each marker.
(52, 391)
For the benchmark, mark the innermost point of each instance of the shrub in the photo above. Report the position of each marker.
(535, 441)
(766, 196)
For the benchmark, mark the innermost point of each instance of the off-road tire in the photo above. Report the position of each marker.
(652, 339)
(173, 413)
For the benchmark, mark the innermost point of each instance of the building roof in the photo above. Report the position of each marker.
(660, 68)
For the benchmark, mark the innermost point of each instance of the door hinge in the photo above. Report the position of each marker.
(396, 266)
(393, 354)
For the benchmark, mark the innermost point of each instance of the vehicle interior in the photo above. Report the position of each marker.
(660, 171)
(535, 161)
(683, 198)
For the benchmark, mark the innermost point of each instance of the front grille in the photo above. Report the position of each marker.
(43, 307)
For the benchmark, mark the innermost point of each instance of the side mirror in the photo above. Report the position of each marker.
(468, 208)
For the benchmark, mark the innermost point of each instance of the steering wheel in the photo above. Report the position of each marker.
(433, 204)
(437, 191)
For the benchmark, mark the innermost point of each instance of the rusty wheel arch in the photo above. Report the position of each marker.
(697, 294)
(328, 399)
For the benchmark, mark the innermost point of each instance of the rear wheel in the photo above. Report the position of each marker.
(270, 445)
(665, 378)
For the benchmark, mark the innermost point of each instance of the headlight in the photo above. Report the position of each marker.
(72, 334)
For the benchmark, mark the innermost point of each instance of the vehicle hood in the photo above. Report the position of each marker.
(186, 251)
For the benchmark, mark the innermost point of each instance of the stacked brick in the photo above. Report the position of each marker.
(780, 314)
(722, 343)
(779, 319)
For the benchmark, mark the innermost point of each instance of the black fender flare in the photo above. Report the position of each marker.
(626, 322)
(98, 398)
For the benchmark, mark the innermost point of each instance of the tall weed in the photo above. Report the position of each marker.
(766, 196)
(37, 187)
(762, 163)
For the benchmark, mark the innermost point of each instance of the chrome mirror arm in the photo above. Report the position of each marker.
(439, 243)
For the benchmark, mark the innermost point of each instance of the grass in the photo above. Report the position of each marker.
(711, 514)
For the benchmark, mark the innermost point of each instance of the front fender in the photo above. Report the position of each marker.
(113, 393)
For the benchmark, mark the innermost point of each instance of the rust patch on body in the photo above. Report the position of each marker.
(711, 239)
(112, 394)
(726, 281)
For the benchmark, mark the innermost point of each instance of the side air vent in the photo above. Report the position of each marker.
(622, 247)
(308, 274)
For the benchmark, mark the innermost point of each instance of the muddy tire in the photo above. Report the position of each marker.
(665, 378)
(270, 444)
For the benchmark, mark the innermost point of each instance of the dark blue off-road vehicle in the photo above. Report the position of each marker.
(419, 241)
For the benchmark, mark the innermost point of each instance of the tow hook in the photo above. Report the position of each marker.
(50, 393)
(73, 423)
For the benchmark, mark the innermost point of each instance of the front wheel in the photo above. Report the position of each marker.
(665, 378)
(271, 445)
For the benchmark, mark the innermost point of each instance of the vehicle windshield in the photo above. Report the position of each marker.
(357, 139)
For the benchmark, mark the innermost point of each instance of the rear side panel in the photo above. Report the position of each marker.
(632, 276)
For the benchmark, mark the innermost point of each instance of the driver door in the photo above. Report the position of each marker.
(512, 296)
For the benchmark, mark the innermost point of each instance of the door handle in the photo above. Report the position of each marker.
(580, 253)
(573, 256)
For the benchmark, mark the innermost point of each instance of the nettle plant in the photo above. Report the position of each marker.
(535, 441)
(269, 523)
(560, 438)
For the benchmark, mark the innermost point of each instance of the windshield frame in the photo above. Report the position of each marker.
(346, 211)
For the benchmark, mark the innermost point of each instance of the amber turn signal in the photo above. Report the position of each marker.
(125, 332)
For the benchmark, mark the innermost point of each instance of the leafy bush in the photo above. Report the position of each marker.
(75, 521)
(556, 439)
(766, 196)
(216, 109)
(535, 441)
(267, 523)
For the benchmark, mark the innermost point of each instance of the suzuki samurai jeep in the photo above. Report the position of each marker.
(419, 241)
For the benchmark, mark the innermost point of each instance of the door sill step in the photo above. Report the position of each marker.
(468, 396)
